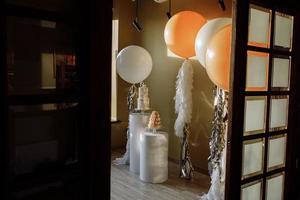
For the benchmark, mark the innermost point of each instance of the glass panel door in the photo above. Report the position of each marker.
(260, 130)
(43, 63)
(264, 154)
(44, 107)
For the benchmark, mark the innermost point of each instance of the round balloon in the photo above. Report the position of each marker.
(218, 58)
(134, 64)
(205, 34)
(181, 31)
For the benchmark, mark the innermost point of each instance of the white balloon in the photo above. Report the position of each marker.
(134, 64)
(205, 34)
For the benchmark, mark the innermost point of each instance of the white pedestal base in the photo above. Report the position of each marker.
(137, 124)
(154, 157)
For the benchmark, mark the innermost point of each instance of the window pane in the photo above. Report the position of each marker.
(115, 44)
(281, 74)
(253, 154)
(259, 27)
(275, 185)
(257, 71)
(283, 30)
(276, 152)
(251, 191)
(279, 113)
(44, 61)
(255, 115)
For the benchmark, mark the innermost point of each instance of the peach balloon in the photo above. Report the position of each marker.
(218, 58)
(181, 31)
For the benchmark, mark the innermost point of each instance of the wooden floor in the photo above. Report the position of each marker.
(125, 185)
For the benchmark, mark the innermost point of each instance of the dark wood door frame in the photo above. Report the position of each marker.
(3, 110)
(296, 140)
(236, 97)
(95, 61)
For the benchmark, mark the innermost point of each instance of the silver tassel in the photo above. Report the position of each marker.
(130, 98)
(124, 160)
(217, 138)
(186, 167)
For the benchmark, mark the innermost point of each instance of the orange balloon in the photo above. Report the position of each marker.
(181, 32)
(218, 58)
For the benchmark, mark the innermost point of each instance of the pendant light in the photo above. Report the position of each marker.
(222, 4)
(135, 22)
(169, 14)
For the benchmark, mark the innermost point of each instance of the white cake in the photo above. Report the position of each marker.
(143, 101)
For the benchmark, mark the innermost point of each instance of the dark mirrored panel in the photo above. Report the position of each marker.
(40, 56)
(44, 138)
(49, 5)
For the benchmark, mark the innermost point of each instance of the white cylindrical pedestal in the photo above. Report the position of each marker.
(154, 157)
(137, 124)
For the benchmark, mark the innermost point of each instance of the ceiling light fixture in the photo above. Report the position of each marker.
(169, 11)
(222, 4)
(135, 22)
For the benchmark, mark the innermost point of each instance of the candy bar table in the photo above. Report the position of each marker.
(154, 157)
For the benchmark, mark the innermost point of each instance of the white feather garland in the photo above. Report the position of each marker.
(183, 98)
(216, 191)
